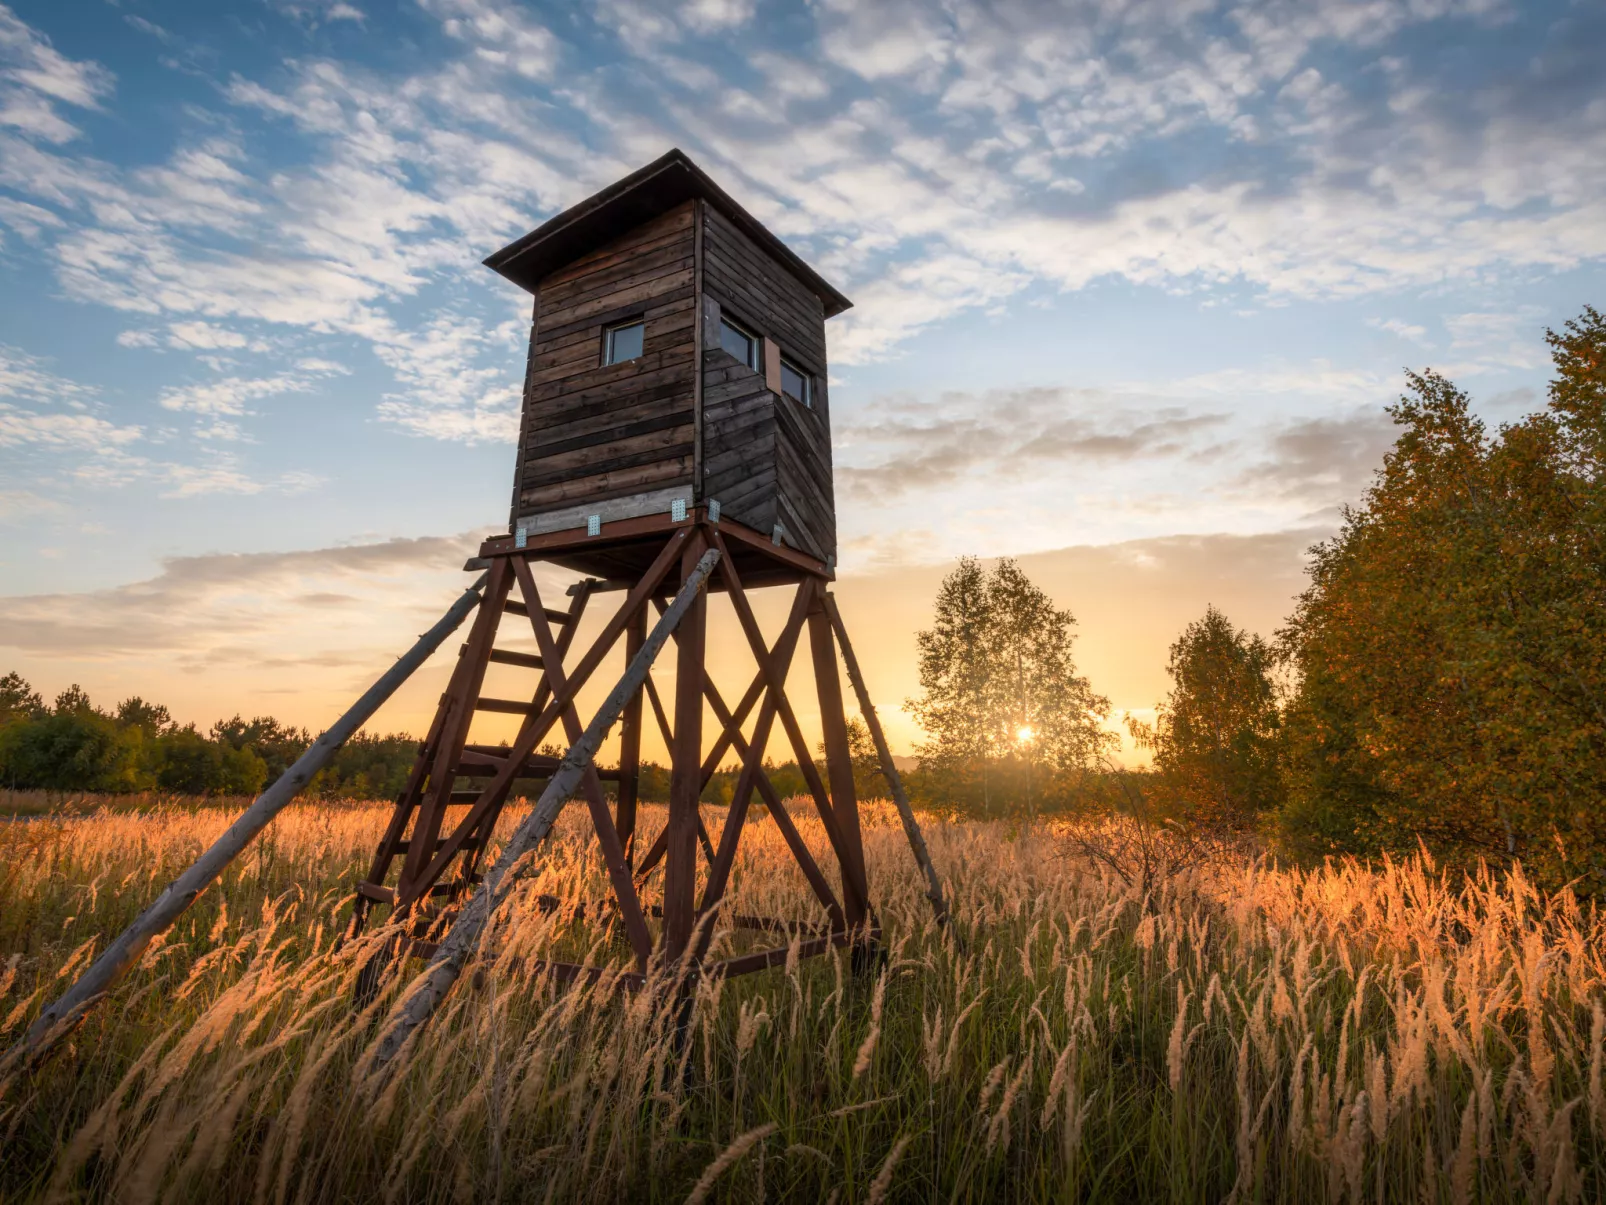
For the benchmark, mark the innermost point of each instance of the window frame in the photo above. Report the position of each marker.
(613, 328)
(803, 374)
(755, 342)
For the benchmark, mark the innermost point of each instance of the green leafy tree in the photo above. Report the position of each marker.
(1008, 718)
(1217, 736)
(278, 745)
(190, 764)
(151, 718)
(18, 700)
(1450, 651)
(73, 747)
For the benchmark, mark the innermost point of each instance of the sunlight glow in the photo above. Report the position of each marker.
(1024, 734)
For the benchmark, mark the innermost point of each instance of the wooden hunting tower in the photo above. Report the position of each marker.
(677, 356)
(675, 415)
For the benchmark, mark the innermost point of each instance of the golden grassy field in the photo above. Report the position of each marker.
(1240, 1032)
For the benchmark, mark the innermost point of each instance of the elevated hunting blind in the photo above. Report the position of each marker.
(677, 356)
(675, 439)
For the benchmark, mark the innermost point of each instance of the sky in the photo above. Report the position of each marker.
(1133, 284)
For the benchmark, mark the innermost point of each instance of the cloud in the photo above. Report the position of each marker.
(932, 161)
(35, 78)
(900, 445)
(1321, 462)
(228, 397)
(1398, 326)
(205, 337)
(198, 607)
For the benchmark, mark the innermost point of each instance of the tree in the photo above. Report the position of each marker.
(1216, 737)
(1450, 650)
(151, 718)
(73, 747)
(1007, 715)
(278, 745)
(18, 700)
(189, 764)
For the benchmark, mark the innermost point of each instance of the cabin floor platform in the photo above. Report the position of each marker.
(624, 549)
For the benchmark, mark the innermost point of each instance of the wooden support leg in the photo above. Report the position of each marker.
(630, 746)
(838, 757)
(889, 769)
(685, 780)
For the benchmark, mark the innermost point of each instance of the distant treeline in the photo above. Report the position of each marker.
(1442, 679)
(73, 745)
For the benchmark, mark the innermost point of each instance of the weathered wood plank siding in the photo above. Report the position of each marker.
(765, 458)
(591, 432)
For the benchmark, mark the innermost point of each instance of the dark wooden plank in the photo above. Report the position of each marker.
(633, 307)
(671, 446)
(670, 225)
(554, 339)
(642, 262)
(612, 381)
(601, 452)
(658, 288)
(663, 401)
(660, 474)
(621, 423)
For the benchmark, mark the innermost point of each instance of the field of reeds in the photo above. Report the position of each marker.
(1235, 1032)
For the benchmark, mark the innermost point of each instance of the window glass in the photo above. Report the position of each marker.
(796, 384)
(623, 343)
(738, 342)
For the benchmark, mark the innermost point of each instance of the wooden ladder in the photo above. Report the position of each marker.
(414, 837)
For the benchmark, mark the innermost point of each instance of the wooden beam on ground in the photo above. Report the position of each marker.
(68, 1009)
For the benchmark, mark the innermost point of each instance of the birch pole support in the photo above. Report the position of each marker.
(430, 988)
(122, 954)
(911, 827)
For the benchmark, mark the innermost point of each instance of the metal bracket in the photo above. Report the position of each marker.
(521, 537)
(713, 510)
(677, 510)
(593, 525)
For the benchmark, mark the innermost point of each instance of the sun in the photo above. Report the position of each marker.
(1024, 734)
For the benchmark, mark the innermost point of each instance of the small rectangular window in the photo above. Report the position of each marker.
(623, 342)
(796, 384)
(740, 343)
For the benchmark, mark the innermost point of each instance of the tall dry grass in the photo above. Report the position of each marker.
(1241, 1032)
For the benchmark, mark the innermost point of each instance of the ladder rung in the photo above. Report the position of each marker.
(472, 843)
(526, 660)
(463, 797)
(514, 607)
(373, 891)
(510, 706)
(449, 888)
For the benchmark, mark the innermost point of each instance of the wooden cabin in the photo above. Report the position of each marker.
(677, 360)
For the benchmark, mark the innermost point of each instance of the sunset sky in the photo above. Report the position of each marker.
(1133, 283)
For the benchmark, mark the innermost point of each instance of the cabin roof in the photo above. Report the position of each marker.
(626, 204)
